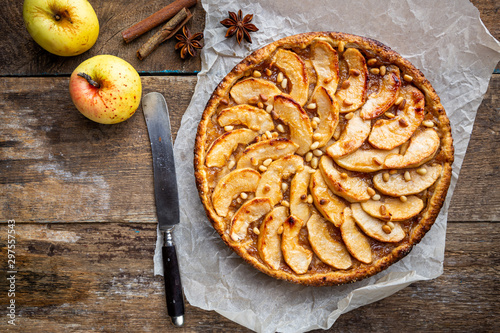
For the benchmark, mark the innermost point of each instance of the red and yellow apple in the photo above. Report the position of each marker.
(62, 27)
(106, 89)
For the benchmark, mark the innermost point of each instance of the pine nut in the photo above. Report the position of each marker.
(317, 136)
(314, 162)
(382, 70)
(228, 128)
(284, 83)
(268, 72)
(349, 116)
(257, 74)
(371, 62)
(385, 177)
(303, 197)
(224, 101)
(315, 145)
(238, 200)
(383, 210)
(402, 122)
(244, 196)
(399, 100)
(346, 84)
(428, 123)
(309, 156)
(231, 164)
(269, 108)
(371, 192)
(354, 72)
(347, 102)
(401, 105)
(284, 187)
(285, 203)
(260, 105)
(267, 162)
(403, 198)
(254, 161)
(386, 229)
(375, 71)
(407, 78)
(341, 47)
(256, 231)
(275, 134)
(317, 152)
(391, 225)
(323, 201)
(309, 199)
(316, 119)
(343, 175)
(311, 106)
(253, 100)
(393, 171)
(407, 176)
(390, 115)
(376, 197)
(314, 125)
(336, 134)
(279, 78)
(280, 229)
(377, 160)
(280, 128)
(262, 168)
(422, 171)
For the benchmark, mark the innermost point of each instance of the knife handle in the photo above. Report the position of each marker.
(173, 286)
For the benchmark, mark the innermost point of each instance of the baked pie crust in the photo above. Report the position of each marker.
(323, 158)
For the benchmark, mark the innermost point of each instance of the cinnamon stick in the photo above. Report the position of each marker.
(166, 32)
(156, 19)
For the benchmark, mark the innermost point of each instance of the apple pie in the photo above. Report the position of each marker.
(323, 158)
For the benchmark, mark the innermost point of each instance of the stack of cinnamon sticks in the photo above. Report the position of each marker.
(177, 14)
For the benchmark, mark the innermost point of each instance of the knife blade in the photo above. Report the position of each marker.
(166, 198)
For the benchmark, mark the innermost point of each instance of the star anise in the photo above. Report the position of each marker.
(188, 43)
(239, 26)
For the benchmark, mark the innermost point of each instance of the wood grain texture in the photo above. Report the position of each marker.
(20, 54)
(58, 166)
(99, 277)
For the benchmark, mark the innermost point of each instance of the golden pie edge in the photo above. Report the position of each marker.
(435, 202)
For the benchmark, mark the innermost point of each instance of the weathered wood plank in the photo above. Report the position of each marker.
(489, 10)
(22, 56)
(99, 277)
(57, 166)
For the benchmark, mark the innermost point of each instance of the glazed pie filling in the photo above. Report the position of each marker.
(320, 158)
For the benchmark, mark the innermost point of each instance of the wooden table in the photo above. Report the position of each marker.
(57, 166)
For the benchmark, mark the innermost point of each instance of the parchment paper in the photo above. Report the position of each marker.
(446, 40)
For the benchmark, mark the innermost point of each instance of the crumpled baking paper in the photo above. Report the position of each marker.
(446, 40)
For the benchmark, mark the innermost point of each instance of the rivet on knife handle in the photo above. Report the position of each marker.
(173, 287)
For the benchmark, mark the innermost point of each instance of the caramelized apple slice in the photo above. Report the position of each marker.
(269, 241)
(224, 145)
(395, 209)
(328, 113)
(297, 120)
(326, 64)
(270, 182)
(423, 146)
(295, 69)
(329, 205)
(250, 116)
(387, 134)
(356, 242)
(298, 194)
(353, 95)
(353, 189)
(328, 250)
(262, 150)
(372, 227)
(386, 96)
(250, 211)
(397, 185)
(365, 160)
(295, 255)
(353, 136)
(251, 89)
(232, 184)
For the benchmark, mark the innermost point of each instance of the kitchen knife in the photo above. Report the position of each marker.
(166, 198)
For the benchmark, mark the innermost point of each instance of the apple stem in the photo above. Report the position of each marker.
(57, 17)
(89, 79)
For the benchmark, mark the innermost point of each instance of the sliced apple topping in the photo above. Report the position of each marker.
(386, 96)
(353, 189)
(326, 64)
(328, 114)
(373, 227)
(365, 160)
(249, 90)
(390, 133)
(297, 120)
(250, 116)
(267, 149)
(224, 146)
(299, 205)
(410, 182)
(270, 182)
(395, 209)
(295, 69)
(352, 96)
(249, 212)
(329, 205)
(423, 146)
(352, 137)
(356, 242)
(231, 185)
(328, 250)
(295, 255)
(269, 241)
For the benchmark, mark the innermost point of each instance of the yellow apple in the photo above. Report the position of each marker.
(62, 27)
(106, 89)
